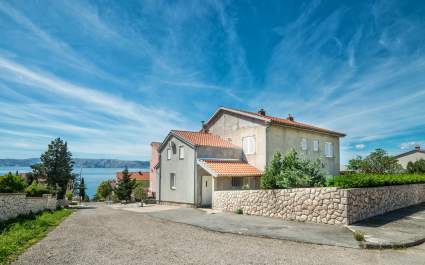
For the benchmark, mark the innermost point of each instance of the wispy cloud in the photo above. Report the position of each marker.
(112, 77)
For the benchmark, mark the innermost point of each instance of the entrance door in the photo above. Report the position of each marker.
(206, 191)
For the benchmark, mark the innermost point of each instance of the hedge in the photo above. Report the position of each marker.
(361, 180)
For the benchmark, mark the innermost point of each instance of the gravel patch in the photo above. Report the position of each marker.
(103, 235)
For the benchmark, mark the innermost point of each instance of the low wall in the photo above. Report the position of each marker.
(14, 204)
(320, 205)
(368, 202)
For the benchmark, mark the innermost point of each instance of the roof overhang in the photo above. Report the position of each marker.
(308, 130)
(172, 134)
(244, 167)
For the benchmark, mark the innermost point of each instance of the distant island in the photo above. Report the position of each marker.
(79, 162)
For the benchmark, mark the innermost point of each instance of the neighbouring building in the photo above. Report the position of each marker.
(152, 168)
(231, 152)
(411, 156)
(140, 177)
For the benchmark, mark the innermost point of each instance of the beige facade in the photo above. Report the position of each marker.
(412, 157)
(225, 183)
(283, 139)
(234, 128)
(270, 139)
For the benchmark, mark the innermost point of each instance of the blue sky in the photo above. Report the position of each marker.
(112, 76)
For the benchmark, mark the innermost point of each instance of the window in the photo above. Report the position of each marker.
(248, 145)
(329, 152)
(316, 145)
(181, 152)
(303, 144)
(172, 181)
(236, 182)
(168, 154)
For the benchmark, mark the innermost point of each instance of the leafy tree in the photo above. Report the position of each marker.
(38, 173)
(58, 165)
(140, 193)
(10, 183)
(416, 167)
(125, 186)
(376, 162)
(104, 190)
(291, 171)
(355, 164)
(82, 190)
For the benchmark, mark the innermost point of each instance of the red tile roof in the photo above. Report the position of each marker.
(226, 168)
(204, 139)
(135, 175)
(284, 121)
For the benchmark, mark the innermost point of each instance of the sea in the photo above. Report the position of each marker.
(92, 176)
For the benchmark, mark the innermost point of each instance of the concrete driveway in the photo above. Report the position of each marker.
(103, 235)
(252, 225)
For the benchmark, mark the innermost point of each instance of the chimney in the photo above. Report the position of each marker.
(418, 147)
(204, 127)
(290, 117)
(262, 112)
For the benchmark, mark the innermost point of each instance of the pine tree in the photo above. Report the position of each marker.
(125, 186)
(58, 165)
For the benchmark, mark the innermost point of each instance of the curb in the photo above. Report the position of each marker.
(389, 245)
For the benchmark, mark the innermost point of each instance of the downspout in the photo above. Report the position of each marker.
(160, 182)
(195, 173)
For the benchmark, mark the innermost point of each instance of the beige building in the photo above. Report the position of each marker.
(232, 150)
(411, 156)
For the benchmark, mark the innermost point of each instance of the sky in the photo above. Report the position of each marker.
(109, 77)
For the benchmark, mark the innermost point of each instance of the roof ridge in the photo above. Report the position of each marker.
(286, 121)
(191, 131)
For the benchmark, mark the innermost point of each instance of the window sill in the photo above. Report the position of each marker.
(173, 188)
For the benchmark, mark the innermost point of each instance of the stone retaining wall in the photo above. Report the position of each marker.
(14, 204)
(320, 205)
(368, 202)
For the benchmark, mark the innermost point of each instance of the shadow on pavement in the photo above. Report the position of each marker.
(415, 212)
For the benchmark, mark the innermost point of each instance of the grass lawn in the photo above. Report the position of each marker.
(18, 234)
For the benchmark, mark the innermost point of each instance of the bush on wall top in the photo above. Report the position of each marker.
(361, 180)
(10, 183)
(291, 171)
(38, 189)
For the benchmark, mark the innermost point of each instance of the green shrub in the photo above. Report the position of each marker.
(358, 235)
(69, 196)
(416, 167)
(359, 180)
(239, 211)
(291, 171)
(140, 194)
(37, 190)
(10, 183)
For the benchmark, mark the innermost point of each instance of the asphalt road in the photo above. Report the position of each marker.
(112, 236)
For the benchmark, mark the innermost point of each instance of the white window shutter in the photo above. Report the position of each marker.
(316, 145)
(303, 144)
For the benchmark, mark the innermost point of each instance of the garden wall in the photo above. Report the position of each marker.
(320, 205)
(14, 204)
